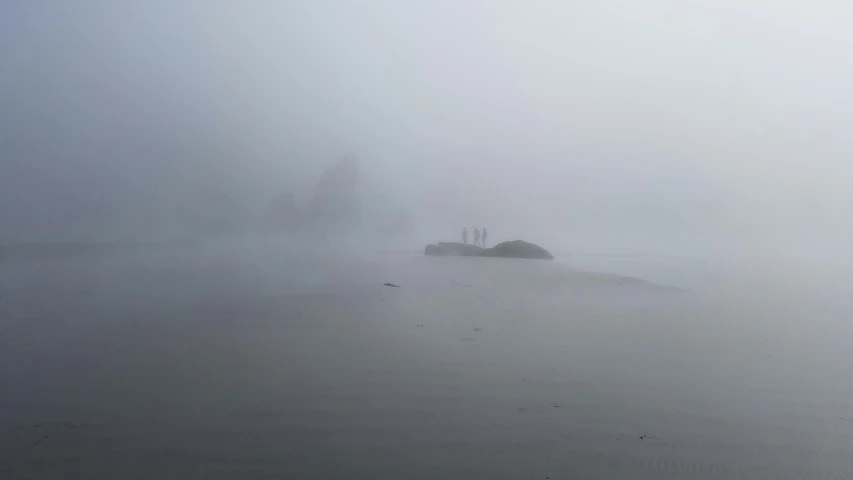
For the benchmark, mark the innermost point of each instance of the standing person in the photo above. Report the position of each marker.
(476, 237)
(485, 235)
(465, 235)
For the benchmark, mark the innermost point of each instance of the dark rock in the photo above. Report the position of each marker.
(336, 202)
(517, 249)
(512, 249)
(442, 249)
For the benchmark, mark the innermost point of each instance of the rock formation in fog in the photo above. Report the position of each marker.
(336, 202)
(511, 249)
(517, 249)
(452, 249)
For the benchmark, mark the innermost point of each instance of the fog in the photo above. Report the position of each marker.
(619, 126)
(214, 214)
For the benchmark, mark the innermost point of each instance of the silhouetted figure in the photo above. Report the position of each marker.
(465, 235)
(476, 236)
(485, 235)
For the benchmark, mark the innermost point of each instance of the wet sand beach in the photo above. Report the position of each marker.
(270, 365)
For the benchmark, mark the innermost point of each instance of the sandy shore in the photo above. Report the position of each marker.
(242, 365)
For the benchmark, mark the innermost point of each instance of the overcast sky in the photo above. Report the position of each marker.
(642, 119)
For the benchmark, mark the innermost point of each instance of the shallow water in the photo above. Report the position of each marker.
(246, 365)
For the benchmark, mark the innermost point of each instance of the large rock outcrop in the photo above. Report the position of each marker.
(336, 202)
(512, 249)
(452, 249)
(517, 249)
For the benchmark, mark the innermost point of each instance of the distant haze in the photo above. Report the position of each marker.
(595, 125)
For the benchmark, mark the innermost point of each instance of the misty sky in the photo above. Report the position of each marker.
(638, 119)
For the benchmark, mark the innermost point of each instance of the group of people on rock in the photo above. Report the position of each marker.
(479, 238)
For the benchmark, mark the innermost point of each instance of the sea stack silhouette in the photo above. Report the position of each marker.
(511, 249)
